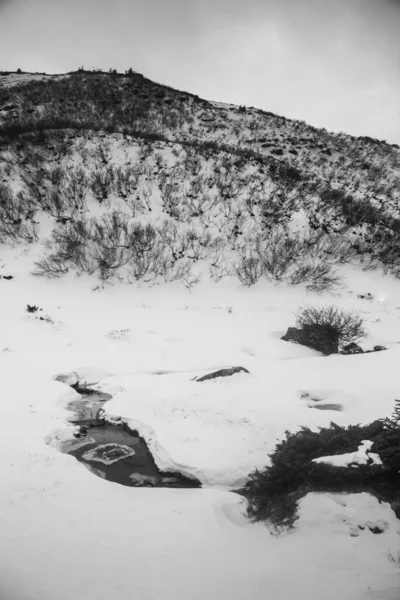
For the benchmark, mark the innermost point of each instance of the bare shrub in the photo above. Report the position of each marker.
(334, 247)
(126, 181)
(55, 176)
(69, 244)
(360, 211)
(51, 266)
(201, 244)
(58, 205)
(345, 325)
(387, 251)
(278, 253)
(76, 188)
(174, 238)
(149, 265)
(318, 276)
(249, 270)
(101, 183)
(171, 191)
(149, 257)
(107, 245)
(220, 269)
(16, 217)
(115, 242)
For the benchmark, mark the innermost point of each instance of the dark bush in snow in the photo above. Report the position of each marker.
(117, 245)
(342, 325)
(104, 245)
(273, 493)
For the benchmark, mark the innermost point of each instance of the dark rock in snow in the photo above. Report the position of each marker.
(352, 348)
(317, 338)
(332, 406)
(376, 527)
(222, 373)
(376, 349)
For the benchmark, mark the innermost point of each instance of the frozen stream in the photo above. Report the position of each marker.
(114, 452)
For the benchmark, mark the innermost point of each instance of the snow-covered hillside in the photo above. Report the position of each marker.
(144, 336)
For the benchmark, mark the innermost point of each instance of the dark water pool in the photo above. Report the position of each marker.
(113, 451)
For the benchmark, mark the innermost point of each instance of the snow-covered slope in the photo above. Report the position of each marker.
(66, 534)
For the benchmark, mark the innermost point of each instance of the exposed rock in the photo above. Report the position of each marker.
(376, 349)
(293, 334)
(352, 348)
(315, 337)
(311, 396)
(337, 407)
(377, 526)
(221, 373)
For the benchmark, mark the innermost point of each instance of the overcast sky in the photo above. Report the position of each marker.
(332, 63)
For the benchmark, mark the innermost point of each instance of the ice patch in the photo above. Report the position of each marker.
(108, 453)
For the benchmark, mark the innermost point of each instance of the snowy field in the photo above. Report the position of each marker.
(68, 535)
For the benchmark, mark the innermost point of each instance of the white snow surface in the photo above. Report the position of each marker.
(69, 535)
(362, 456)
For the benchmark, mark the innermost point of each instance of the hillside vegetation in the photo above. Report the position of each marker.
(143, 182)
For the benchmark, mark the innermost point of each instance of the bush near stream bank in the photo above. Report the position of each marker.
(273, 493)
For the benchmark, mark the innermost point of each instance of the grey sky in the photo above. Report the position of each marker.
(332, 63)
